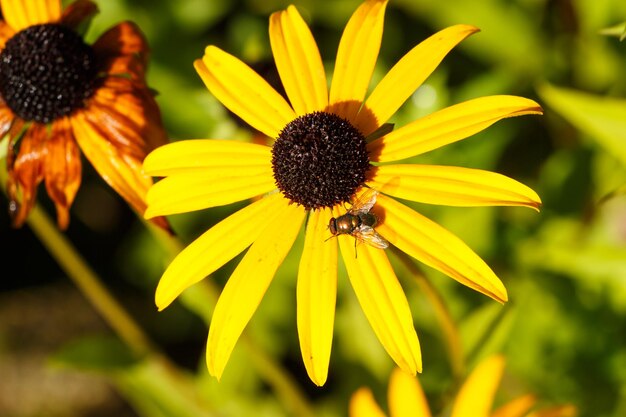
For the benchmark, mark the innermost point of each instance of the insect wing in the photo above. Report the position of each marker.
(371, 237)
(365, 202)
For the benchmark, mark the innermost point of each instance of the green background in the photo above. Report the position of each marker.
(563, 330)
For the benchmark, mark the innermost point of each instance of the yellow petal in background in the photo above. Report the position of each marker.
(383, 301)
(356, 58)
(244, 92)
(406, 397)
(194, 156)
(247, 285)
(476, 396)
(298, 61)
(184, 193)
(452, 186)
(407, 75)
(215, 247)
(448, 125)
(363, 404)
(519, 407)
(316, 296)
(436, 247)
(20, 14)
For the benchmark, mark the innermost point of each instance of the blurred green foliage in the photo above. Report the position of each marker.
(563, 330)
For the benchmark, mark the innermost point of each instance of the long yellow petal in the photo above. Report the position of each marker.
(436, 247)
(194, 156)
(20, 14)
(298, 61)
(406, 396)
(363, 404)
(316, 295)
(214, 248)
(407, 75)
(184, 193)
(519, 407)
(452, 186)
(448, 125)
(476, 396)
(356, 58)
(383, 302)
(244, 92)
(247, 285)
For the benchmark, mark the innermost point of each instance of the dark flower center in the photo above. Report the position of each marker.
(319, 160)
(46, 71)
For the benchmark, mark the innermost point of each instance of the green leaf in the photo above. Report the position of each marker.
(603, 118)
(619, 31)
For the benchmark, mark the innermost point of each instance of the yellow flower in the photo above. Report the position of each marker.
(475, 398)
(320, 160)
(60, 96)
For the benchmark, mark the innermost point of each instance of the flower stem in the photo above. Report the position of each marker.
(87, 281)
(449, 329)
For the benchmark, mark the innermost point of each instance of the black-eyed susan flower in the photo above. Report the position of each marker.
(318, 162)
(405, 397)
(59, 96)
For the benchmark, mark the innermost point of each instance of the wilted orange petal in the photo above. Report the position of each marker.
(123, 50)
(26, 172)
(62, 169)
(122, 171)
(77, 12)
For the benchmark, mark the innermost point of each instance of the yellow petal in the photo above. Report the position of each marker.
(244, 92)
(200, 155)
(519, 407)
(407, 75)
(448, 125)
(356, 58)
(436, 247)
(214, 248)
(406, 397)
(452, 186)
(317, 293)
(363, 404)
(123, 172)
(298, 61)
(476, 396)
(247, 285)
(184, 193)
(383, 302)
(20, 14)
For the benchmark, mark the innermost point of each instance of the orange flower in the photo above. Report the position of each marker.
(59, 95)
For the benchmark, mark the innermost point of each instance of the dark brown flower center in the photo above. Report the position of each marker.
(46, 71)
(319, 160)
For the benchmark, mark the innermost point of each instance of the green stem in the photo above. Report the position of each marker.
(450, 332)
(87, 281)
(201, 299)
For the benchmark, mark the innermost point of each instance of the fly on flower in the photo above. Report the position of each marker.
(359, 222)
